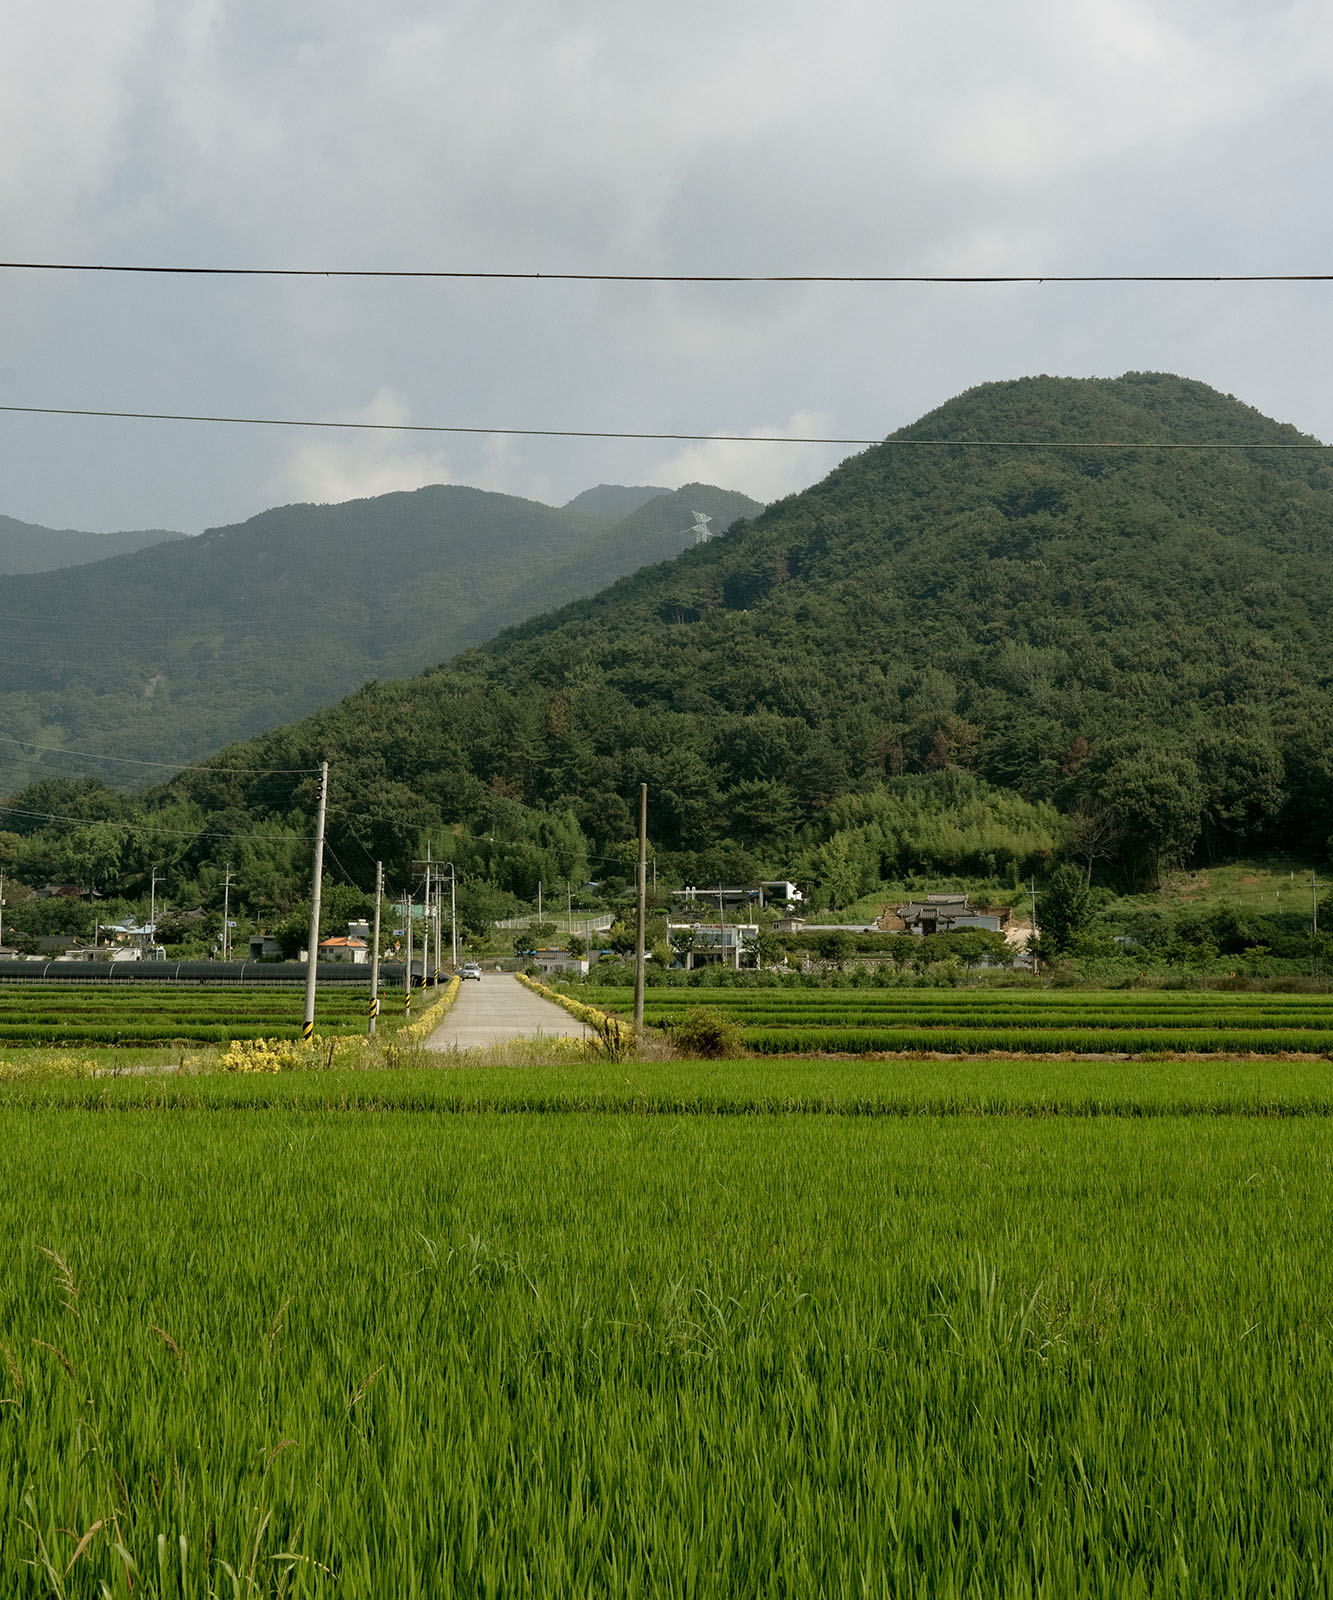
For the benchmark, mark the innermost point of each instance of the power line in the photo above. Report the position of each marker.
(672, 277)
(166, 766)
(149, 828)
(686, 438)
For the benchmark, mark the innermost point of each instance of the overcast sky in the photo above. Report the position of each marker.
(788, 136)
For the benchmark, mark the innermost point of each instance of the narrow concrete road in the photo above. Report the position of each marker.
(500, 1008)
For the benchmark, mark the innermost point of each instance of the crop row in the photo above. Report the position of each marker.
(913, 1002)
(854, 1018)
(1078, 1041)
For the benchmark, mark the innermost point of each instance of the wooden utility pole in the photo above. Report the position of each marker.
(375, 952)
(312, 954)
(641, 909)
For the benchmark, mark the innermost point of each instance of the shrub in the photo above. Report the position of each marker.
(706, 1033)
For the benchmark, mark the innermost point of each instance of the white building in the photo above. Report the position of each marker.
(716, 944)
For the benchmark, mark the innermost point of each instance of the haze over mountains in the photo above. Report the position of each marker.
(28, 547)
(167, 652)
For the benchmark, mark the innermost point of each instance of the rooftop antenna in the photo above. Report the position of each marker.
(701, 531)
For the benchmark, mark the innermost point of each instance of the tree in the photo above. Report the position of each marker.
(1063, 908)
(1154, 797)
(834, 947)
(766, 948)
(685, 941)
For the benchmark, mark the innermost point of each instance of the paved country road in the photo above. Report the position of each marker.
(500, 1008)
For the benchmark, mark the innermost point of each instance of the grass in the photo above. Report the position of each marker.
(547, 1080)
(429, 1354)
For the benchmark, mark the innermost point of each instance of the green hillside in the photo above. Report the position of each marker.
(28, 547)
(941, 658)
(166, 653)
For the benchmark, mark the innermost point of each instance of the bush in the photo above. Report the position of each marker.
(706, 1033)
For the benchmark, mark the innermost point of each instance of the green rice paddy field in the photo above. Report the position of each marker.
(799, 1019)
(54, 1013)
(762, 1327)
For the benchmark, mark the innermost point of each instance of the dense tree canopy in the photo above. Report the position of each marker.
(942, 658)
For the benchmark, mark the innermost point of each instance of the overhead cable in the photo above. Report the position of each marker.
(671, 277)
(167, 766)
(687, 438)
(149, 828)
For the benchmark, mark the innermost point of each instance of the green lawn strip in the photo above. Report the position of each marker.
(845, 1086)
(571, 1355)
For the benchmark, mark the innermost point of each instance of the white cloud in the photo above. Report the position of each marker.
(764, 136)
(330, 467)
(764, 471)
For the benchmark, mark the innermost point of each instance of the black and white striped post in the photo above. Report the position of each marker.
(375, 953)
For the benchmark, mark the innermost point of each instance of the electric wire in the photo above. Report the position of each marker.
(166, 766)
(457, 275)
(684, 438)
(151, 828)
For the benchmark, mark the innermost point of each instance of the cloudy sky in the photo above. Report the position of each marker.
(782, 137)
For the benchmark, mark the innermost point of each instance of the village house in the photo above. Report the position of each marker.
(716, 945)
(943, 913)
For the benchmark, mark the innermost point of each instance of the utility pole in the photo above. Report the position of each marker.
(152, 903)
(2, 912)
(317, 881)
(641, 910)
(539, 899)
(375, 953)
(407, 996)
(569, 910)
(438, 920)
(425, 918)
(453, 915)
(1314, 921)
(1032, 884)
(226, 912)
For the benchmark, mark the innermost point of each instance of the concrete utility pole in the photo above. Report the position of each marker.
(317, 881)
(375, 952)
(407, 987)
(453, 916)
(2, 912)
(641, 909)
(152, 903)
(226, 912)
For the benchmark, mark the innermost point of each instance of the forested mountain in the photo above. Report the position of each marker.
(28, 547)
(166, 653)
(925, 660)
(613, 499)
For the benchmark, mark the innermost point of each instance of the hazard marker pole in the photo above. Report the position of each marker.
(375, 953)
